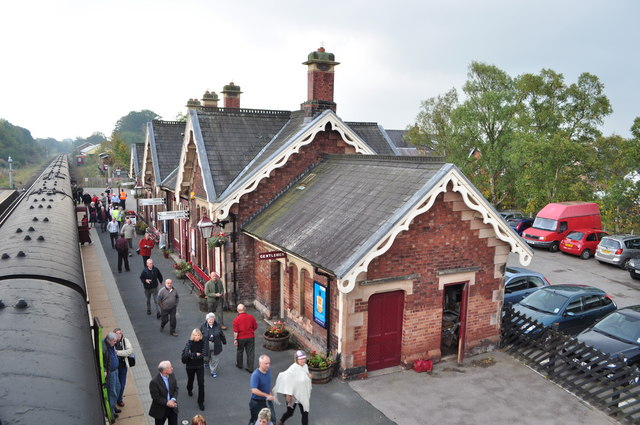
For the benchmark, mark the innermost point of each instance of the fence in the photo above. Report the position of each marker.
(602, 380)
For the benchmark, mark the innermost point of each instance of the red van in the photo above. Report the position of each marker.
(557, 219)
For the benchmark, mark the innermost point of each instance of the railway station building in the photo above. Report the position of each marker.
(378, 257)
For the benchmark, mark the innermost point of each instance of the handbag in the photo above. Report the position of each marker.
(131, 360)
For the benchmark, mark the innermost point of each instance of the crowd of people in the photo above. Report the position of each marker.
(204, 347)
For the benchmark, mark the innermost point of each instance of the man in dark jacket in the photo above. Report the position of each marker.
(111, 363)
(212, 333)
(164, 393)
(150, 278)
(123, 253)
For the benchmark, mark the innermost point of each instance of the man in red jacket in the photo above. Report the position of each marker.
(146, 244)
(244, 326)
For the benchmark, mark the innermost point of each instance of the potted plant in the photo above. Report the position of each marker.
(276, 337)
(166, 252)
(141, 227)
(182, 268)
(217, 240)
(320, 367)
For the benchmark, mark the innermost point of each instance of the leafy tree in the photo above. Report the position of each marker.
(18, 143)
(119, 152)
(131, 127)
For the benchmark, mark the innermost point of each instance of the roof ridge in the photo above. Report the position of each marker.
(243, 111)
(360, 157)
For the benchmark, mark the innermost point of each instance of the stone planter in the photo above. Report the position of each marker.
(321, 376)
(276, 344)
(180, 274)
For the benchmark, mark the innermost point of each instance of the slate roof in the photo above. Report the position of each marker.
(137, 155)
(375, 136)
(232, 139)
(361, 196)
(166, 145)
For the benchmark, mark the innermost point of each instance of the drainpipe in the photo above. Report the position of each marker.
(234, 257)
(328, 276)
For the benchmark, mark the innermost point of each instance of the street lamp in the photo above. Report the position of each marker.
(138, 190)
(10, 161)
(206, 227)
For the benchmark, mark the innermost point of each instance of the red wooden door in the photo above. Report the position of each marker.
(384, 333)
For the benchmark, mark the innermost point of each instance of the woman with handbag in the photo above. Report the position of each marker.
(124, 350)
(193, 357)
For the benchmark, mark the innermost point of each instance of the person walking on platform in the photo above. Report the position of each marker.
(193, 356)
(123, 199)
(295, 384)
(128, 230)
(164, 394)
(214, 336)
(151, 278)
(146, 244)
(103, 219)
(214, 290)
(244, 327)
(113, 228)
(123, 350)
(111, 364)
(168, 302)
(260, 386)
(123, 253)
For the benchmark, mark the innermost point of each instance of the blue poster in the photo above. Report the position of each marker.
(320, 304)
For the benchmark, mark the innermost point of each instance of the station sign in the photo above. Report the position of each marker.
(172, 215)
(271, 255)
(145, 202)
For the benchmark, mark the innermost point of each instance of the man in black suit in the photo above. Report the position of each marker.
(164, 393)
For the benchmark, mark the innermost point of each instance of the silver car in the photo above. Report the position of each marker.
(618, 249)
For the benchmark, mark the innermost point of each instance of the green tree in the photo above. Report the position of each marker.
(18, 143)
(131, 127)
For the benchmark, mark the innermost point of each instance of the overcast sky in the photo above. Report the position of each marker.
(73, 67)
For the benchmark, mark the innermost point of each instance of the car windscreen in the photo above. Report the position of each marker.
(610, 243)
(545, 224)
(620, 326)
(545, 301)
(575, 236)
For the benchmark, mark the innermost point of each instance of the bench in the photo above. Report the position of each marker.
(195, 282)
(203, 276)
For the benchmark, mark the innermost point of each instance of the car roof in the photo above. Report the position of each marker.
(510, 271)
(570, 290)
(622, 237)
(585, 230)
(632, 310)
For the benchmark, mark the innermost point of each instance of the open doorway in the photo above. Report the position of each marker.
(454, 309)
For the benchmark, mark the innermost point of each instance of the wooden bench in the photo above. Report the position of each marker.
(195, 282)
(203, 276)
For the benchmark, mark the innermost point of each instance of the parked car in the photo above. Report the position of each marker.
(618, 249)
(568, 308)
(634, 268)
(557, 219)
(617, 334)
(582, 242)
(521, 282)
(520, 224)
(511, 215)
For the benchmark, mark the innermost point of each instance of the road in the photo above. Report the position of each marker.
(561, 268)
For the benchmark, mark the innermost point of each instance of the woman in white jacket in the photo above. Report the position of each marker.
(295, 384)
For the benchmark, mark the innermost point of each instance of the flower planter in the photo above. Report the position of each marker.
(321, 376)
(180, 274)
(280, 343)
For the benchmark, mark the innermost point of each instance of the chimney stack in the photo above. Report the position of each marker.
(231, 94)
(193, 104)
(320, 75)
(210, 99)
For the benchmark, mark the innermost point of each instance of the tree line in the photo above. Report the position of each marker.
(529, 140)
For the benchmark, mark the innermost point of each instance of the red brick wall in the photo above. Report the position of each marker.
(436, 240)
(250, 203)
(320, 85)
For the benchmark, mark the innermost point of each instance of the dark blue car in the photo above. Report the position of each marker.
(521, 282)
(520, 224)
(567, 308)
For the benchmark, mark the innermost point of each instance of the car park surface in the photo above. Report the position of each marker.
(618, 249)
(568, 308)
(582, 242)
(521, 282)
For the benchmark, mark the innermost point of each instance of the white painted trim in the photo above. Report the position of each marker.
(305, 138)
(471, 199)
